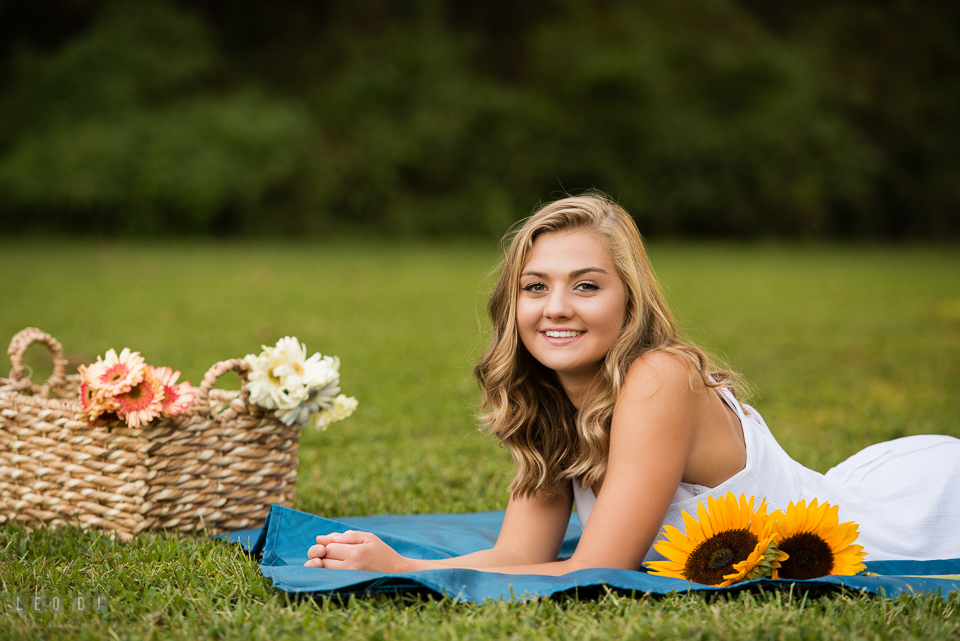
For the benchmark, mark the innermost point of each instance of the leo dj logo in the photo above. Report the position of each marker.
(58, 603)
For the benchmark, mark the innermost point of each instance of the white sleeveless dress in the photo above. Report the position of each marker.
(904, 494)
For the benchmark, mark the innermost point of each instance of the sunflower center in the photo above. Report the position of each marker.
(715, 557)
(810, 556)
(720, 558)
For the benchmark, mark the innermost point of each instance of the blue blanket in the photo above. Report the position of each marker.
(283, 540)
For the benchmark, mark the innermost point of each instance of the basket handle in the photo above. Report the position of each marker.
(238, 365)
(18, 347)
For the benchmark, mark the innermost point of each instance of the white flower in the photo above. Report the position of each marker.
(343, 406)
(298, 414)
(292, 396)
(324, 418)
(264, 389)
(282, 378)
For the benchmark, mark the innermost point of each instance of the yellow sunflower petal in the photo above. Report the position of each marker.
(745, 514)
(849, 561)
(665, 568)
(672, 552)
(852, 531)
(789, 517)
(694, 531)
(676, 546)
(841, 536)
(776, 518)
(721, 513)
(830, 514)
(703, 517)
(760, 522)
(810, 516)
(731, 516)
(672, 533)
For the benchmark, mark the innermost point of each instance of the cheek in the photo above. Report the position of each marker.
(526, 315)
(527, 321)
(610, 317)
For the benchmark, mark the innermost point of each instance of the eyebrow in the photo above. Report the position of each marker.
(574, 274)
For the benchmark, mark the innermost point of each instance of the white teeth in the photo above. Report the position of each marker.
(564, 334)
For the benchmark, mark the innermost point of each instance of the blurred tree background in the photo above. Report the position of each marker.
(737, 118)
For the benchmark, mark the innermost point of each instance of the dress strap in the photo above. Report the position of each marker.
(727, 397)
(725, 394)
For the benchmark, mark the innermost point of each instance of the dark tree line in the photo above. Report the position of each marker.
(435, 117)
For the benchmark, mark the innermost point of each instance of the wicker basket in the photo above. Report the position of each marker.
(216, 467)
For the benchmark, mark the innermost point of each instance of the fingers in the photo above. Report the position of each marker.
(350, 537)
(323, 539)
(331, 564)
(342, 550)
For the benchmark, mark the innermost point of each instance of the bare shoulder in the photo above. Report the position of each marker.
(653, 429)
(661, 373)
(660, 398)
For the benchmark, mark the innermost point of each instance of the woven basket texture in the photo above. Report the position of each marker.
(217, 467)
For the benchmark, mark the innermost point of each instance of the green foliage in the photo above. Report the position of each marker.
(134, 54)
(428, 118)
(696, 118)
(118, 132)
(845, 345)
(414, 136)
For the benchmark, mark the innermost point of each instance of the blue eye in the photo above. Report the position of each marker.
(587, 286)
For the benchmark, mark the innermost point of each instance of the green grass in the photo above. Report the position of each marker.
(844, 346)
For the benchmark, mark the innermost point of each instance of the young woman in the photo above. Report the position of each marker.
(605, 407)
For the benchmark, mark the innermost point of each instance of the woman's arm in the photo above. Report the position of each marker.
(532, 533)
(654, 428)
(655, 425)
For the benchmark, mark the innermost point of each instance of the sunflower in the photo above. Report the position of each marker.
(731, 542)
(816, 542)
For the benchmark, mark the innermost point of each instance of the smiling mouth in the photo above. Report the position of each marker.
(569, 333)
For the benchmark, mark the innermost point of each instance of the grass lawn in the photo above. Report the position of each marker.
(844, 345)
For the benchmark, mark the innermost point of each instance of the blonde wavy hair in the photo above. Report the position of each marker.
(523, 403)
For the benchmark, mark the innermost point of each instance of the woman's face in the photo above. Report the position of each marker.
(571, 304)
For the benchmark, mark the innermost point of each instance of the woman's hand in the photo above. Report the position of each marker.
(353, 550)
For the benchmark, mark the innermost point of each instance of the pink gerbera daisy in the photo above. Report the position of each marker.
(176, 397)
(115, 374)
(88, 398)
(143, 402)
(93, 403)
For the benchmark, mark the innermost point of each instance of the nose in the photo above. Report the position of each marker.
(557, 305)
